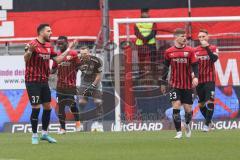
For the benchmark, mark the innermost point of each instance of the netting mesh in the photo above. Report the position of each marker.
(142, 69)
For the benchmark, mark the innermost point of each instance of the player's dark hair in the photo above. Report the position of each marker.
(63, 38)
(204, 31)
(179, 31)
(144, 10)
(41, 27)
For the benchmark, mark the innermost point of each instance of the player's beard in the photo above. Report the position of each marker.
(47, 38)
(86, 59)
(63, 48)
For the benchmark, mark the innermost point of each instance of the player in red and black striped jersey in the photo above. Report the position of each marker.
(37, 67)
(182, 60)
(66, 84)
(207, 54)
(37, 55)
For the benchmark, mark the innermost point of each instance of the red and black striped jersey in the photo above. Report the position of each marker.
(180, 60)
(206, 65)
(37, 67)
(67, 70)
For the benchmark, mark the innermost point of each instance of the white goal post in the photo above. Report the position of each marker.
(117, 22)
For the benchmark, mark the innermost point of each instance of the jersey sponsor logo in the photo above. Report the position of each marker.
(45, 56)
(66, 64)
(185, 54)
(180, 60)
(206, 57)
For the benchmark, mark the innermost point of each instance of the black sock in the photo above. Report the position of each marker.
(45, 119)
(62, 116)
(99, 111)
(203, 110)
(34, 119)
(209, 113)
(188, 117)
(75, 111)
(177, 119)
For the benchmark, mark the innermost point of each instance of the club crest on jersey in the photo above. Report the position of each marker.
(185, 54)
(69, 57)
(48, 50)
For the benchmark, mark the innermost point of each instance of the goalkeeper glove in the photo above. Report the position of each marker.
(89, 91)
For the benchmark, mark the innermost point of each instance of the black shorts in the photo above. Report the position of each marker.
(38, 93)
(65, 99)
(206, 91)
(184, 95)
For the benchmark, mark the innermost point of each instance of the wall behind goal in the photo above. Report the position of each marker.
(83, 18)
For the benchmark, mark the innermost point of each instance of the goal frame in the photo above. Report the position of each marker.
(117, 22)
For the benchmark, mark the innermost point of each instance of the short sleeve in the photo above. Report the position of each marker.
(193, 57)
(30, 43)
(55, 65)
(99, 65)
(166, 57)
(73, 53)
(53, 53)
(215, 50)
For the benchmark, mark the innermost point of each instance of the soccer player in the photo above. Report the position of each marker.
(37, 54)
(207, 54)
(91, 69)
(182, 60)
(66, 84)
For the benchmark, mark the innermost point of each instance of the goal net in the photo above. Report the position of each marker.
(138, 69)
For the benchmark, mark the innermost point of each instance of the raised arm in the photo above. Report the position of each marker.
(29, 48)
(61, 57)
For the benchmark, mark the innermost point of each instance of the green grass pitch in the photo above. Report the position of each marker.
(215, 145)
